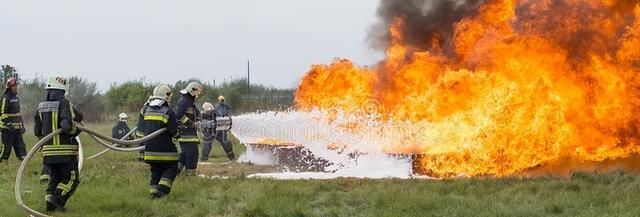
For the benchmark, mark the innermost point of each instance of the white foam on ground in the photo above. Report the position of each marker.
(312, 131)
(258, 157)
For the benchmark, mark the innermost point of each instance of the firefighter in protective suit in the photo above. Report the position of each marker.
(11, 122)
(186, 112)
(208, 130)
(121, 128)
(160, 152)
(224, 124)
(139, 134)
(60, 154)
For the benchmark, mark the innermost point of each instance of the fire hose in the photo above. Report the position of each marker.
(95, 135)
(107, 149)
(80, 154)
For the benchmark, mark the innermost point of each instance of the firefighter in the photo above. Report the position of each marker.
(224, 124)
(121, 128)
(139, 134)
(208, 130)
(186, 112)
(160, 152)
(11, 122)
(60, 154)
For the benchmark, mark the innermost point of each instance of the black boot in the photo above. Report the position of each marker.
(156, 193)
(54, 204)
(231, 156)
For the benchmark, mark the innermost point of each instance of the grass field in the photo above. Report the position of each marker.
(117, 185)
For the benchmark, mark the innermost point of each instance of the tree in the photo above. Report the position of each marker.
(128, 96)
(7, 71)
(85, 96)
(31, 94)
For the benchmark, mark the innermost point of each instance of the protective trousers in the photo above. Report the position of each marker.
(206, 149)
(221, 137)
(63, 182)
(13, 140)
(162, 177)
(44, 174)
(189, 156)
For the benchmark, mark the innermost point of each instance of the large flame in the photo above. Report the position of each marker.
(527, 82)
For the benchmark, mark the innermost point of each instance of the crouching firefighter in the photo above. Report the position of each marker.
(60, 154)
(11, 122)
(160, 152)
(186, 112)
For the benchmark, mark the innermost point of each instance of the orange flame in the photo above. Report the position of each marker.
(530, 82)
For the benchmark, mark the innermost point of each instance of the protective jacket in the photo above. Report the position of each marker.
(155, 115)
(120, 130)
(186, 113)
(209, 125)
(222, 109)
(10, 117)
(53, 114)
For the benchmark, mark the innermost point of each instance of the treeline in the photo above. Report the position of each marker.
(129, 96)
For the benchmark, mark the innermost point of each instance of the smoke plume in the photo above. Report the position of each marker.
(425, 21)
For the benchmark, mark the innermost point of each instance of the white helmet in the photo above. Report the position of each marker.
(58, 82)
(193, 88)
(122, 116)
(162, 91)
(207, 106)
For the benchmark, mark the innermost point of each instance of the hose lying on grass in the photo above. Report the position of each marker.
(80, 154)
(107, 149)
(95, 135)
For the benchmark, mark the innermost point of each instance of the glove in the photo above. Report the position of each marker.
(22, 130)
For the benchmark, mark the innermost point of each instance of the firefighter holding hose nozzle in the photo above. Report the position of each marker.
(11, 122)
(60, 154)
(160, 153)
(208, 128)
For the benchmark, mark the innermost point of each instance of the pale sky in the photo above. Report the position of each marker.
(164, 41)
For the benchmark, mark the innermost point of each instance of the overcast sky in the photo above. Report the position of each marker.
(116, 40)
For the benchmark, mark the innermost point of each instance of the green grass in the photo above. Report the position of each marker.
(117, 185)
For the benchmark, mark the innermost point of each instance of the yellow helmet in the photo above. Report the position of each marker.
(221, 98)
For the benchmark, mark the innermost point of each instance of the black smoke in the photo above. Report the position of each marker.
(423, 19)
